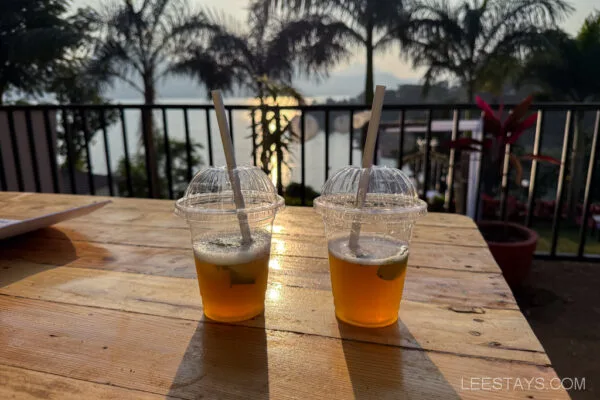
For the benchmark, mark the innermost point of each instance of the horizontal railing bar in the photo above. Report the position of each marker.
(567, 257)
(316, 107)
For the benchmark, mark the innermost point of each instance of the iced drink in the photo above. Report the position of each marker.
(233, 276)
(367, 287)
(368, 245)
(232, 263)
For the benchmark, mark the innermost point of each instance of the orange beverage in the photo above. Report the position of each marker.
(367, 284)
(233, 277)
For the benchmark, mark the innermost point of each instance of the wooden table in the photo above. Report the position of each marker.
(107, 307)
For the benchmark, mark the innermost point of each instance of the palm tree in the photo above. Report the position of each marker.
(568, 71)
(374, 25)
(139, 44)
(263, 60)
(35, 35)
(465, 41)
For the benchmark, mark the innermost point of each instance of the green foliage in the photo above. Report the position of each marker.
(263, 59)
(139, 176)
(373, 25)
(273, 127)
(140, 42)
(464, 41)
(568, 70)
(273, 46)
(71, 85)
(293, 194)
(35, 35)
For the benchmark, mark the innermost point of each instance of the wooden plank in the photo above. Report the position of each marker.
(7, 196)
(22, 384)
(290, 225)
(465, 329)
(282, 244)
(447, 287)
(431, 219)
(192, 360)
(146, 212)
(45, 243)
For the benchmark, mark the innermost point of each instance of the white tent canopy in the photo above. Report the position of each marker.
(475, 126)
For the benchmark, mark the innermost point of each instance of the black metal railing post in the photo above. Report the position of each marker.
(303, 158)
(427, 169)
(70, 151)
(51, 147)
(88, 153)
(326, 144)
(537, 145)
(351, 138)
(15, 149)
(209, 137)
(279, 155)
(481, 171)
(591, 176)
(168, 171)
(33, 151)
(230, 115)
(376, 148)
(127, 163)
(562, 176)
(3, 183)
(451, 162)
(146, 118)
(188, 144)
(401, 139)
(254, 137)
(109, 174)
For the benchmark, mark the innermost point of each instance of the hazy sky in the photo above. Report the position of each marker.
(390, 62)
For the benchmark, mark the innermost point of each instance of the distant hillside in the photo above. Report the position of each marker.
(345, 83)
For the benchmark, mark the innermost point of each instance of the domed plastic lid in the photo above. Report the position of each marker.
(391, 196)
(209, 195)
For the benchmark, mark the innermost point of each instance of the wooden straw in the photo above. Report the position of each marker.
(367, 161)
(234, 179)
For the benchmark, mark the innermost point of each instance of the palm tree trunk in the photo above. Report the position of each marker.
(369, 78)
(148, 139)
(471, 91)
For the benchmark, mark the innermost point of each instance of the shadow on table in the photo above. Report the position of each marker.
(35, 253)
(218, 363)
(390, 372)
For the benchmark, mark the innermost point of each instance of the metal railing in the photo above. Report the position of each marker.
(29, 158)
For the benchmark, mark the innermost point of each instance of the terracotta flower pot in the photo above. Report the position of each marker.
(512, 246)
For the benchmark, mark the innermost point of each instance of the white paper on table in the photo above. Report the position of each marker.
(14, 227)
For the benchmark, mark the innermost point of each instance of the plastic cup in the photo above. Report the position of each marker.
(367, 281)
(232, 273)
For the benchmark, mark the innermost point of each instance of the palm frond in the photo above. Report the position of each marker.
(313, 44)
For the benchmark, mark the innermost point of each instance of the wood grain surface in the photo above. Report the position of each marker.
(107, 307)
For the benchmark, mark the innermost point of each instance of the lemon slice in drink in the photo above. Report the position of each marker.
(394, 266)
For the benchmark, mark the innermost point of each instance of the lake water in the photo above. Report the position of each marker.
(314, 151)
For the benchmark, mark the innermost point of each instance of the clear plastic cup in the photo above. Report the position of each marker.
(367, 280)
(232, 272)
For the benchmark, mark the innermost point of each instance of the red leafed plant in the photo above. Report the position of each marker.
(501, 134)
